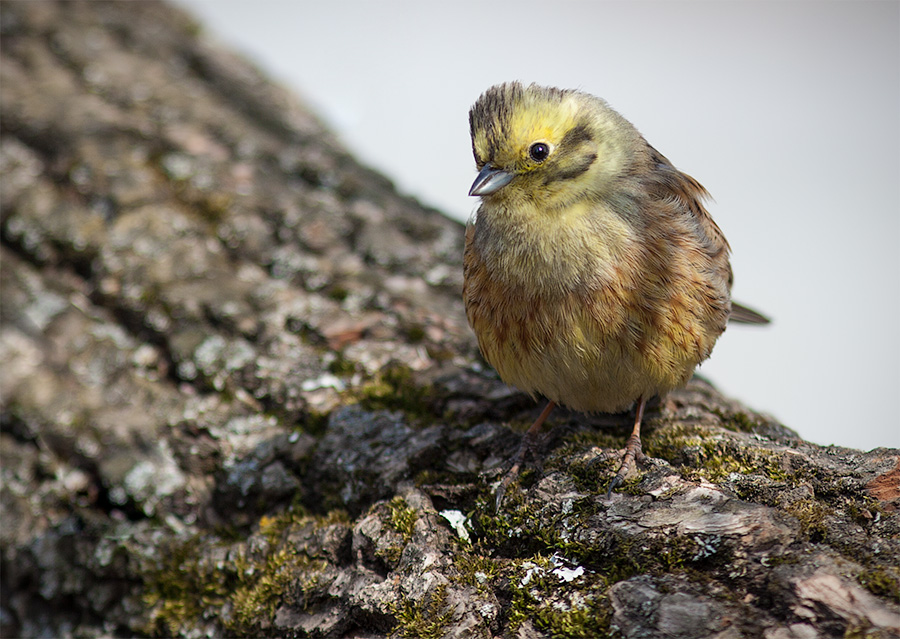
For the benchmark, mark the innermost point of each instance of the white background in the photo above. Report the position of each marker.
(789, 113)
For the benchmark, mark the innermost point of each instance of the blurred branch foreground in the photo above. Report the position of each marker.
(240, 398)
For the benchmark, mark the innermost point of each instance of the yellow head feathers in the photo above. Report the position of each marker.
(549, 142)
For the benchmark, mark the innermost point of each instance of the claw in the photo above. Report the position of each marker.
(504, 484)
(633, 453)
(519, 457)
(615, 483)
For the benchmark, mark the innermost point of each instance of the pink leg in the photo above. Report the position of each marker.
(519, 457)
(633, 452)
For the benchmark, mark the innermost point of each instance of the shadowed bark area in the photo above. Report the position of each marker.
(239, 398)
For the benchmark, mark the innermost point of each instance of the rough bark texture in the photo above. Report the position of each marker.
(239, 398)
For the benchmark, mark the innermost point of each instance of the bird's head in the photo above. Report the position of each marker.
(546, 147)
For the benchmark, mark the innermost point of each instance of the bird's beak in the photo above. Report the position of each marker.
(490, 180)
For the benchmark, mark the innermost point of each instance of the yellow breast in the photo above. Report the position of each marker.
(595, 345)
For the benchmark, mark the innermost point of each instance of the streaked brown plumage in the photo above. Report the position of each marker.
(594, 276)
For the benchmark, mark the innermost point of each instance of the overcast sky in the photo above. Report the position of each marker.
(787, 112)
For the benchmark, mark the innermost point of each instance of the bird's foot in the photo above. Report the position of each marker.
(525, 446)
(508, 478)
(633, 453)
(632, 457)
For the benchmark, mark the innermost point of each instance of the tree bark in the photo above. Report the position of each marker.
(239, 397)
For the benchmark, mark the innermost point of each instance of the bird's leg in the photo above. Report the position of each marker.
(633, 452)
(526, 443)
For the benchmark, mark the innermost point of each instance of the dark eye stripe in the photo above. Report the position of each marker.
(576, 135)
(571, 171)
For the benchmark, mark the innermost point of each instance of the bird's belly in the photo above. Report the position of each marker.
(600, 356)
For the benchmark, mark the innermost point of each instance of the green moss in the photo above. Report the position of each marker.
(315, 423)
(589, 620)
(431, 477)
(390, 555)
(555, 606)
(864, 510)
(702, 454)
(590, 471)
(520, 531)
(178, 590)
(265, 585)
(622, 558)
(425, 619)
(415, 333)
(278, 573)
(341, 366)
(811, 514)
(511, 531)
(273, 527)
(881, 583)
(583, 441)
(403, 518)
(740, 421)
(394, 388)
(276, 527)
(192, 583)
(338, 293)
(863, 630)
(475, 570)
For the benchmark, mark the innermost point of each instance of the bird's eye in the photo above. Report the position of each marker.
(539, 151)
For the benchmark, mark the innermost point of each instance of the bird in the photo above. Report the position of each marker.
(594, 276)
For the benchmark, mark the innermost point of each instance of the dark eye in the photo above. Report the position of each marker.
(539, 151)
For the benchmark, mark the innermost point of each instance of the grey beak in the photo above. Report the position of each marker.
(490, 180)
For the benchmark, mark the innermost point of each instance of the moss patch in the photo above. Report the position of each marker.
(543, 595)
(811, 514)
(341, 366)
(200, 577)
(394, 388)
(589, 470)
(700, 453)
(740, 421)
(881, 583)
(402, 518)
(424, 619)
(179, 589)
(265, 584)
(475, 570)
